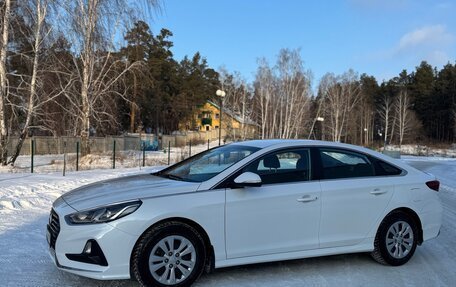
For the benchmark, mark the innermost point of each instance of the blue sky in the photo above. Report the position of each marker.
(377, 37)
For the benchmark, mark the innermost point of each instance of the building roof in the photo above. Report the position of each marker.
(246, 121)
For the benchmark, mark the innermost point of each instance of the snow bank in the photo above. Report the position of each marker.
(422, 150)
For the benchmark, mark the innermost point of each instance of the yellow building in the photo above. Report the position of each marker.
(207, 118)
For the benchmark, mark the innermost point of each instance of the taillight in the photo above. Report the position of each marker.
(433, 184)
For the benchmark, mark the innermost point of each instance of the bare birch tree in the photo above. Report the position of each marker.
(342, 93)
(25, 93)
(40, 10)
(282, 96)
(264, 93)
(294, 93)
(402, 106)
(93, 27)
(365, 122)
(3, 80)
(385, 113)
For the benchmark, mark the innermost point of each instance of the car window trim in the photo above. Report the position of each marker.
(388, 163)
(315, 163)
(364, 156)
(320, 164)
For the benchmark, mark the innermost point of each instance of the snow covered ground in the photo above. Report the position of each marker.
(25, 200)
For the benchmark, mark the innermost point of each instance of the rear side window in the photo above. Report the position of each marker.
(344, 164)
(382, 168)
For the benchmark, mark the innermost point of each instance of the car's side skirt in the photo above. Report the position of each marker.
(365, 246)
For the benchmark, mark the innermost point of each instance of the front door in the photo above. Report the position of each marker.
(282, 215)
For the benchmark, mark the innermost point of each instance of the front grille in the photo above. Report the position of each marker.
(53, 228)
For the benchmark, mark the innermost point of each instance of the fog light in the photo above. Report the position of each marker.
(88, 247)
(91, 253)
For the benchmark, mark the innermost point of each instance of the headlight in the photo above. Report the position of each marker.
(103, 214)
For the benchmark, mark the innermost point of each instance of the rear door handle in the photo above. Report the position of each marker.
(307, 198)
(378, 191)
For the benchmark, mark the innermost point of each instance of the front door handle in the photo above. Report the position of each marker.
(378, 191)
(307, 198)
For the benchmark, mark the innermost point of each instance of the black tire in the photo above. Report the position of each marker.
(150, 239)
(407, 242)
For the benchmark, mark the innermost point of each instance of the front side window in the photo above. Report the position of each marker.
(282, 166)
(344, 164)
(208, 164)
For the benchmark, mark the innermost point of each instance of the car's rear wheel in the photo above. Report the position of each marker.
(170, 254)
(396, 240)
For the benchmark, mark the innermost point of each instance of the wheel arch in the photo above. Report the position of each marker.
(209, 264)
(414, 216)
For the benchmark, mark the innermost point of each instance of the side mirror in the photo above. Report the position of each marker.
(247, 179)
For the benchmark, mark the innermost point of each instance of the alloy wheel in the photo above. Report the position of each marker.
(172, 260)
(399, 239)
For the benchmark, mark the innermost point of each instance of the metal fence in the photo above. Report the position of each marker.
(63, 154)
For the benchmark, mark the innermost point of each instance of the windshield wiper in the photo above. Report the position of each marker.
(173, 176)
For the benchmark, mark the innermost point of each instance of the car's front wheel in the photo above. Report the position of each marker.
(170, 254)
(396, 240)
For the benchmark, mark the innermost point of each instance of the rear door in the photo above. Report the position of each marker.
(353, 197)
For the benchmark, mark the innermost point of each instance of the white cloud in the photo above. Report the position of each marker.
(434, 44)
(434, 37)
(430, 43)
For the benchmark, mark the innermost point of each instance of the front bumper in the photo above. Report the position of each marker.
(116, 245)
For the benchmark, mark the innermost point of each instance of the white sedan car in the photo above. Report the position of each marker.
(243, 203)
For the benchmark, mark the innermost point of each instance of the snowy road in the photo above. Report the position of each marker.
(24, 207)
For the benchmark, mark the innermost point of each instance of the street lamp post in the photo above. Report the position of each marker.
(321, 120)
(221, 94)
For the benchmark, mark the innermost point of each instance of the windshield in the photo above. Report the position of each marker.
(208, 164)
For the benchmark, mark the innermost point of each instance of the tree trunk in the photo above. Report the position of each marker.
(41, 14)
(133, 105)
(3, 84)
(85, 144)
(89, 23)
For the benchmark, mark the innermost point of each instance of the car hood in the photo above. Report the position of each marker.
(124, 189)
